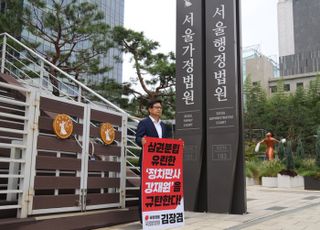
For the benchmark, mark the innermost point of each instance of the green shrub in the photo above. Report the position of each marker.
(298, 163)
(306, 164)
(308, 167)
(252, 169)
(271, 168)
(249, 150)
(248, 172)
(313, 173)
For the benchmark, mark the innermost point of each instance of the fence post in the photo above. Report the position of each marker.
(4, 46)
(34, 152)
(123, 158)
(85, 156)
(27, 154)
(41, 74)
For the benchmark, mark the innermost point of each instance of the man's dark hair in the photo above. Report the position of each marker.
(152, 102)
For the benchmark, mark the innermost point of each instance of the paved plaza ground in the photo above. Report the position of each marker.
(268, 208)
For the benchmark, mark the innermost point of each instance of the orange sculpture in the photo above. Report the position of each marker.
(270, 142)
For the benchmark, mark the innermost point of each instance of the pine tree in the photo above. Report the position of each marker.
(278, 112)
(73, 36)
(289, 157)
(281, 151)
(155, 71)
(10, 17)
(300, 149)
(255, 107)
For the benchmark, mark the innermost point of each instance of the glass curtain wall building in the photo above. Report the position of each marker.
(114, 16)
(299, 43)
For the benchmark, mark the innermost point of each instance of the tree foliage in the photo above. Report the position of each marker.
(300, 149)
(73, 36)
(154, 71)
(115, 93)
(255, 106)
(289, 157)
(281, 151)
(293, 116)
(317, 147)
(10, 17)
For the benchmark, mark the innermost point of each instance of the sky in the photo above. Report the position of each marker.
(157, 19)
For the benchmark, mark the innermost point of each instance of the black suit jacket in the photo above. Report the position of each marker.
(147, 128)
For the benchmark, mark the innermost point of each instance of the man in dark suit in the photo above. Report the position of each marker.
(150, 126)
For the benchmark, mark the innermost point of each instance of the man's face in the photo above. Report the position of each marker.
(156, 110)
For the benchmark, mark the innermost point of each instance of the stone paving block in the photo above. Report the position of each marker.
(302, 212)
(276, 208)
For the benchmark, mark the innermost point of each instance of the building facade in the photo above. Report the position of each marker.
(285, 28)
(299, 40)
(259, 67)
(299, 49)
(299, 44)
(291, 83)
(114, 16)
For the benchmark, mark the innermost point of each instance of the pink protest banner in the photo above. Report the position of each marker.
(162, 183)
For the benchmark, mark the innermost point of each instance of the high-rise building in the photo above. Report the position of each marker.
(114, 16)
(299, 49)
(299, 44)
(299, 40)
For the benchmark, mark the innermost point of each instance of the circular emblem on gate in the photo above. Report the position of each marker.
(107, 133)
(62, 126)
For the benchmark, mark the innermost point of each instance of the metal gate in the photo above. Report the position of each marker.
(40, 173)
(81, 172)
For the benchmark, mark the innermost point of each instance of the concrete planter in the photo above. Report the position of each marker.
(285, 181)
(270, 182)
(251, 181)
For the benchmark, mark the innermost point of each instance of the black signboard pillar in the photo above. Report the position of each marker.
(189, 100)
(225, 163)
(208, 108)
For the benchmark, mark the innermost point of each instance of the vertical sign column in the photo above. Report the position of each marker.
(223, 92)
(189, 96)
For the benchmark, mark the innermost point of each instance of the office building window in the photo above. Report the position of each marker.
(273, 89)
(300, 84)
(2, 6)
(286, 87)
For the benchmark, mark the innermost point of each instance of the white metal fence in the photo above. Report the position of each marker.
(31, 71)
(16, 145)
